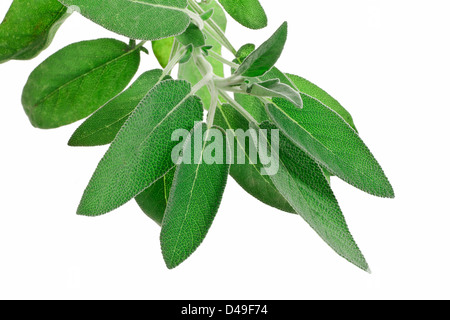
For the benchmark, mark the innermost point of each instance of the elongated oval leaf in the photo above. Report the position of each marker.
(145, 19)
(153, 200)
(141, 152)
(332, 142)
(249, 175)
(77, 80)
(194, 200)
(274, 89)
(249, 13)
(264, 58)
(29, 28)
(301, 182)
(309, 88)
(102, 127)
(189, 71)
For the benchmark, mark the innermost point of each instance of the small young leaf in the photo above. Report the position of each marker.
(144, 20)
(194, 200)
(249, 13)
(301, 182)
(193, 35)
(332, 142)
(29, 28)
(244, 52)
(208, 14)
(264, 58)
(188, 55)
(189, 71)
(273, 88)
(102, 127)
(153, 200)
(162, 50)
(249, 175)
(141, 152)
(77, 80)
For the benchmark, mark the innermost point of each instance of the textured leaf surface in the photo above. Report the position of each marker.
(141, 152)
(194, 200)
(189, 71)
(332, 142)
(301, 182)
(102, 127)
(162, 50)
(264, 58)
(193, 35)
(249, 13)
(248, 175)
(153, 200)
(29, 28)
(144, 19)
(273, 89)
(314, 91)
(77, 80)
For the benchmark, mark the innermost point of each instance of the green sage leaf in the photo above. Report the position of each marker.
(194, 200)
(29, 28)
(144, 20)
(162, 50)
(153, 200)
(249, 13)
(77, 80)
(141, 152)
(264, 58)
(301, 182)
(325, 135)
(273, 88)
(309, 88)
(102, 127)
(193, 35)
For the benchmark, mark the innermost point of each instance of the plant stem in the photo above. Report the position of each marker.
(218, 33)
(173, 61)
(219, 58)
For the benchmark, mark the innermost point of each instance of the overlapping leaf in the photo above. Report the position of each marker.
(145, 19)
(332, 142)
(77, 80)
(141, 153)
(102, 127)
(29, 28)
(301, 182)
(194, 199)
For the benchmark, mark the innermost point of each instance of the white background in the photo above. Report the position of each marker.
(387, 61)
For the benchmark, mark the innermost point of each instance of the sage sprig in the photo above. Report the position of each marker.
(174, 139)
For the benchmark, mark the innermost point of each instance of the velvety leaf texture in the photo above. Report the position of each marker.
(193, 35)
(144, 19)
(141, 153)
(249, 13)
(29, 28)
(332, 142)
(77, 80)
(102, 127)
(194, 200)
(264, 58)
(302, 183)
